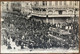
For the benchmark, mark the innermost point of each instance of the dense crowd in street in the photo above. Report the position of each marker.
(33, 34)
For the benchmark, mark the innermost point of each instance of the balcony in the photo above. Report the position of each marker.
(53, 15)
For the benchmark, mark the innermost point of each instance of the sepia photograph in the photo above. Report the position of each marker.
(40, 26)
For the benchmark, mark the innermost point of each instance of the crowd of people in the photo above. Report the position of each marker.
(32, 34)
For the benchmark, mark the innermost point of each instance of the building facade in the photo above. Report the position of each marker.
(54, 8)
(53, 12)
(56, 11)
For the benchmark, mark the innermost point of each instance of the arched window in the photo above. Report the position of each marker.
(70, 12)
(64, 12)
(50, 11)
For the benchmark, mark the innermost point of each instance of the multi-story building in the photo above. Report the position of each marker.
(52, 9)
(52, 12)
(16, 6)
(56, 12)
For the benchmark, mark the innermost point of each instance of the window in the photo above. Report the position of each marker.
(2, 2)
(60, 3)
(64, 2)
(60, 12)
(44, 3)
(26, 3)
(76, 3)
(44, 9)
(70, 2)
(50, 3)
(36, 3)
(7, 6)
(56, 3)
